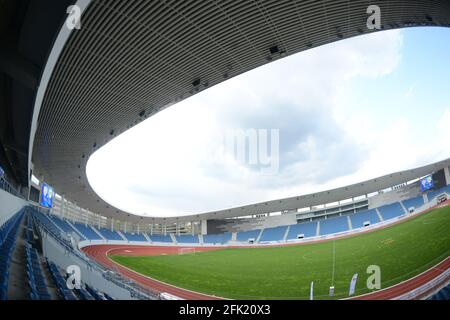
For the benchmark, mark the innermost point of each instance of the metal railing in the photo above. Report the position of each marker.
(6, 186)
(441, 279)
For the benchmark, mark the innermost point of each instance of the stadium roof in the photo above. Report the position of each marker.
(132, 59)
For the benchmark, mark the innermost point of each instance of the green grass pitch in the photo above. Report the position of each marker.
(401, 251)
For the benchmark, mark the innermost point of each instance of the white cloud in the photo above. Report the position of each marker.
(166, 165)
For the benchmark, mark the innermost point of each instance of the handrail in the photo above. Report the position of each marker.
(416, 293)
(6, 186)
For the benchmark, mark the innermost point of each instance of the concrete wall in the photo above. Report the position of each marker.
(9, 206)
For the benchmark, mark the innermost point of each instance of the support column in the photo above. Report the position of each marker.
(447, 175)
(204, 227)
(62, 207)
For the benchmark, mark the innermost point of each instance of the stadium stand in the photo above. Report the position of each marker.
(391, 211)
(60, 282)
(416, 202)
(360, 218)
(273, 234)
(110, 235)
(434, 193)
(36, 278)
(83, 294)
(135, 237)
(8, 235)
(333, 225)
(442, 295)
(247, 235)
(187, 238)
(63, 224)
(308, 229)
(87, 231)
(161, 238)
(217, 238)
(95, 294)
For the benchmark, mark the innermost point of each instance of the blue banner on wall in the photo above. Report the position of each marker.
(46, 196)
(426, 183)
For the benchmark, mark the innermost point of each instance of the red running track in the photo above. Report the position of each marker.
(100, 254)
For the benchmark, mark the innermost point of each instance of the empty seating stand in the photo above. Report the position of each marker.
(247, 235)
(84, 294)
(8, 235)
(415, 203)
(60, 282)
(308, 229)
(87, 231)
(391, 211)
(434, 193)
(63, 224)
(95, 294)
(135, 237)
(161, 238)
(187, 238)
(221, 238)
(110, 235)
(35, 275)
(273, 234)
(358, 219)
(333, 225)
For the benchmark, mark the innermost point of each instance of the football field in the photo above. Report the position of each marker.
(401, 251)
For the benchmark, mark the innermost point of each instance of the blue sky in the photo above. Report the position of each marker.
(346, 112)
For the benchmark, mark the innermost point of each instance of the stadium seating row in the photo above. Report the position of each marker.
(60, 282)
(8, 235)
(309, 229)
(327, 226)
(36, 279)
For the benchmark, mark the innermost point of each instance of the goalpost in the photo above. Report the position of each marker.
(182, 251)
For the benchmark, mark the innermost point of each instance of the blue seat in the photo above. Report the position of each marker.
(134, 237)
(333, 225)
(273, 234)
(391, 211)
(416, 202)
(187, 238)
(247, 235)
(110, 235)
(358, 219)
(434, 193)
(87, 231)
(221, 238)
(161, 238)
(308, 229)
(62, 224)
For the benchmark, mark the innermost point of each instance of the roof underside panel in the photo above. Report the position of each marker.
(132, 59)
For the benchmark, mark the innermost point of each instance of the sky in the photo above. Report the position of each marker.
(333, 115)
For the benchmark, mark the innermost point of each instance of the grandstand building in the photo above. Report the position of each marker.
(66, 92)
